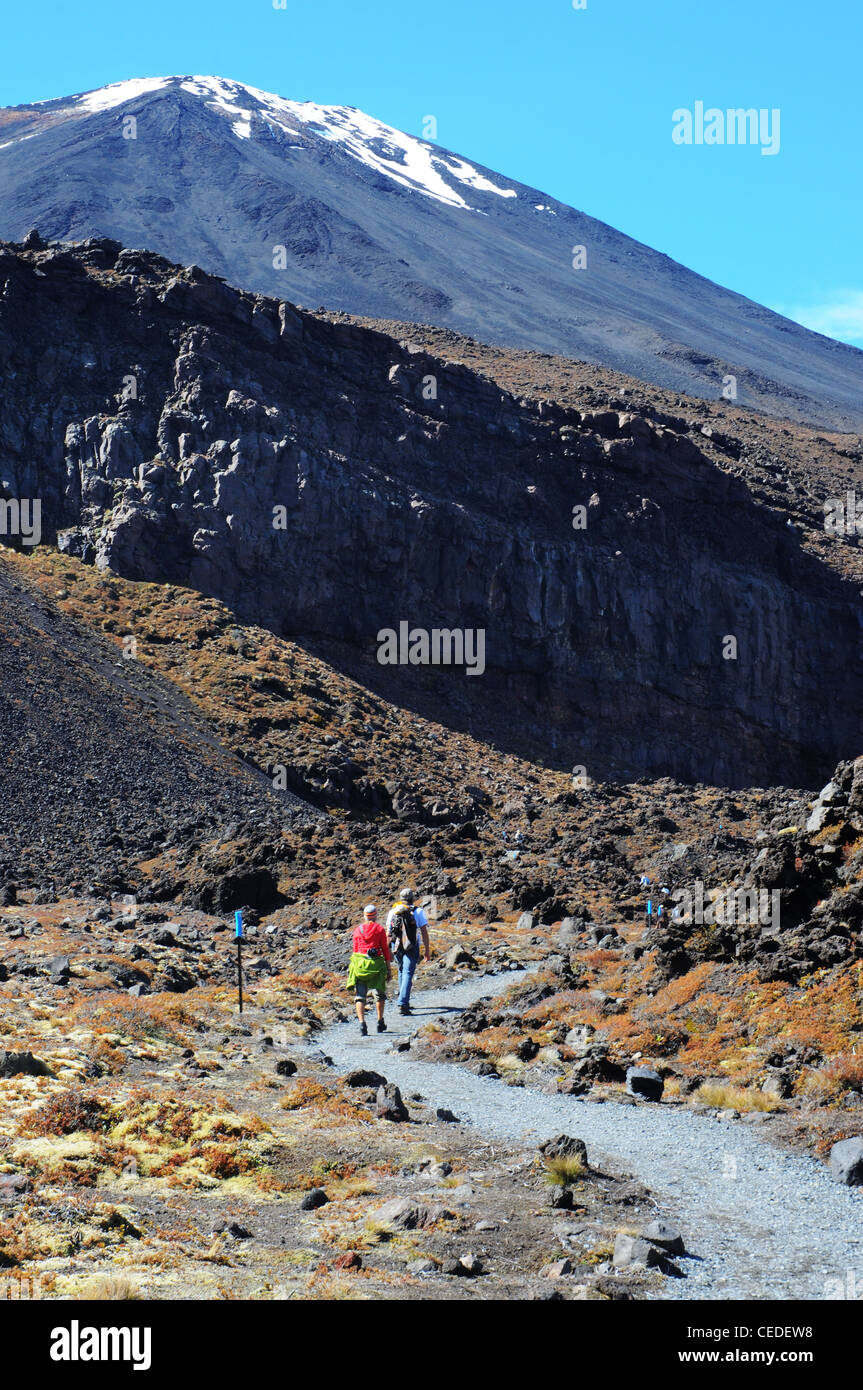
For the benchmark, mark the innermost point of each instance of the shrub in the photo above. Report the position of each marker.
(111, 1287)
(223, 1162)
(734, 1097)
(309, 1094)
(828, 1083)
(846, 1072)
(68, 1113)
(563, 1172)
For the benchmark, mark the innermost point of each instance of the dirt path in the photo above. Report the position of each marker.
(759, 1222)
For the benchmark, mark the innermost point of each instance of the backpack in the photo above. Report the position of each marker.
(404, 926)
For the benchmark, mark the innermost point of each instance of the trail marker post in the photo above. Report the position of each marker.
(238, 933)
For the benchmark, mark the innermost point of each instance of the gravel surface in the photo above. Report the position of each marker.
(760, 1222)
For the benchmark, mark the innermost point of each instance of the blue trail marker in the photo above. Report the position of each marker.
(238, 933)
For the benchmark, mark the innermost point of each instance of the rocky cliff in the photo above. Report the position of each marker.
(328, 481)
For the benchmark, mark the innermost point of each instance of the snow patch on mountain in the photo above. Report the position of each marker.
(410, 162)
(104, 98)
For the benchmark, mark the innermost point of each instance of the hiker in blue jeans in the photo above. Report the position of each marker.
(406, 926)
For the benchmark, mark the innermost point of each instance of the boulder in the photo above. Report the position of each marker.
(165, 938)
(644, 1083)
(779, 1084)
(559, 1198)
(565, 1146)
(665, 1236)
(399, 1214)
(22, 1064)
(174, 979)
(572, 1086)
(361, 1077)
(578, 1039)
(630, 1251)
(314, 1199)
(390, 1105)
(846, 1162)
(458, 956)
(568, 932)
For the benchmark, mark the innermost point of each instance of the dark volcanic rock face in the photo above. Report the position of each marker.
(166, 421)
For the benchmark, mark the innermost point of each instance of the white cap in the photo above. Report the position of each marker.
(369, 910)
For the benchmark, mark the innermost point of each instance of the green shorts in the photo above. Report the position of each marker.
(363, 990)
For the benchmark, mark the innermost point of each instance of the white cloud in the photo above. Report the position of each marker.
(840, 316)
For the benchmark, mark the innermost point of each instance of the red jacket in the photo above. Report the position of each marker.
(371, 934)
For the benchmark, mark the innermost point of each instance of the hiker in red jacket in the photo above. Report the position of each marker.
(369, 970)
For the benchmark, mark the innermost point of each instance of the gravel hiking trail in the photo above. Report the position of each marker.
(759, 1222)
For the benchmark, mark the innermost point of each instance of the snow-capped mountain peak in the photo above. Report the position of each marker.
(254, 114)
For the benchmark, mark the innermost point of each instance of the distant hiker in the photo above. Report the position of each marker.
(406, 924)
(369, 969)
(519, 837)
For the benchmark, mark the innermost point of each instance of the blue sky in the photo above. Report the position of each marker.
(576, 102)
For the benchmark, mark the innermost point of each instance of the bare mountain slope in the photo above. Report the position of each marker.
(105, 762)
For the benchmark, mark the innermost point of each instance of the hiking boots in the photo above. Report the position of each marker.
(382, 1027)
(364, 1030)
(405, 1010)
